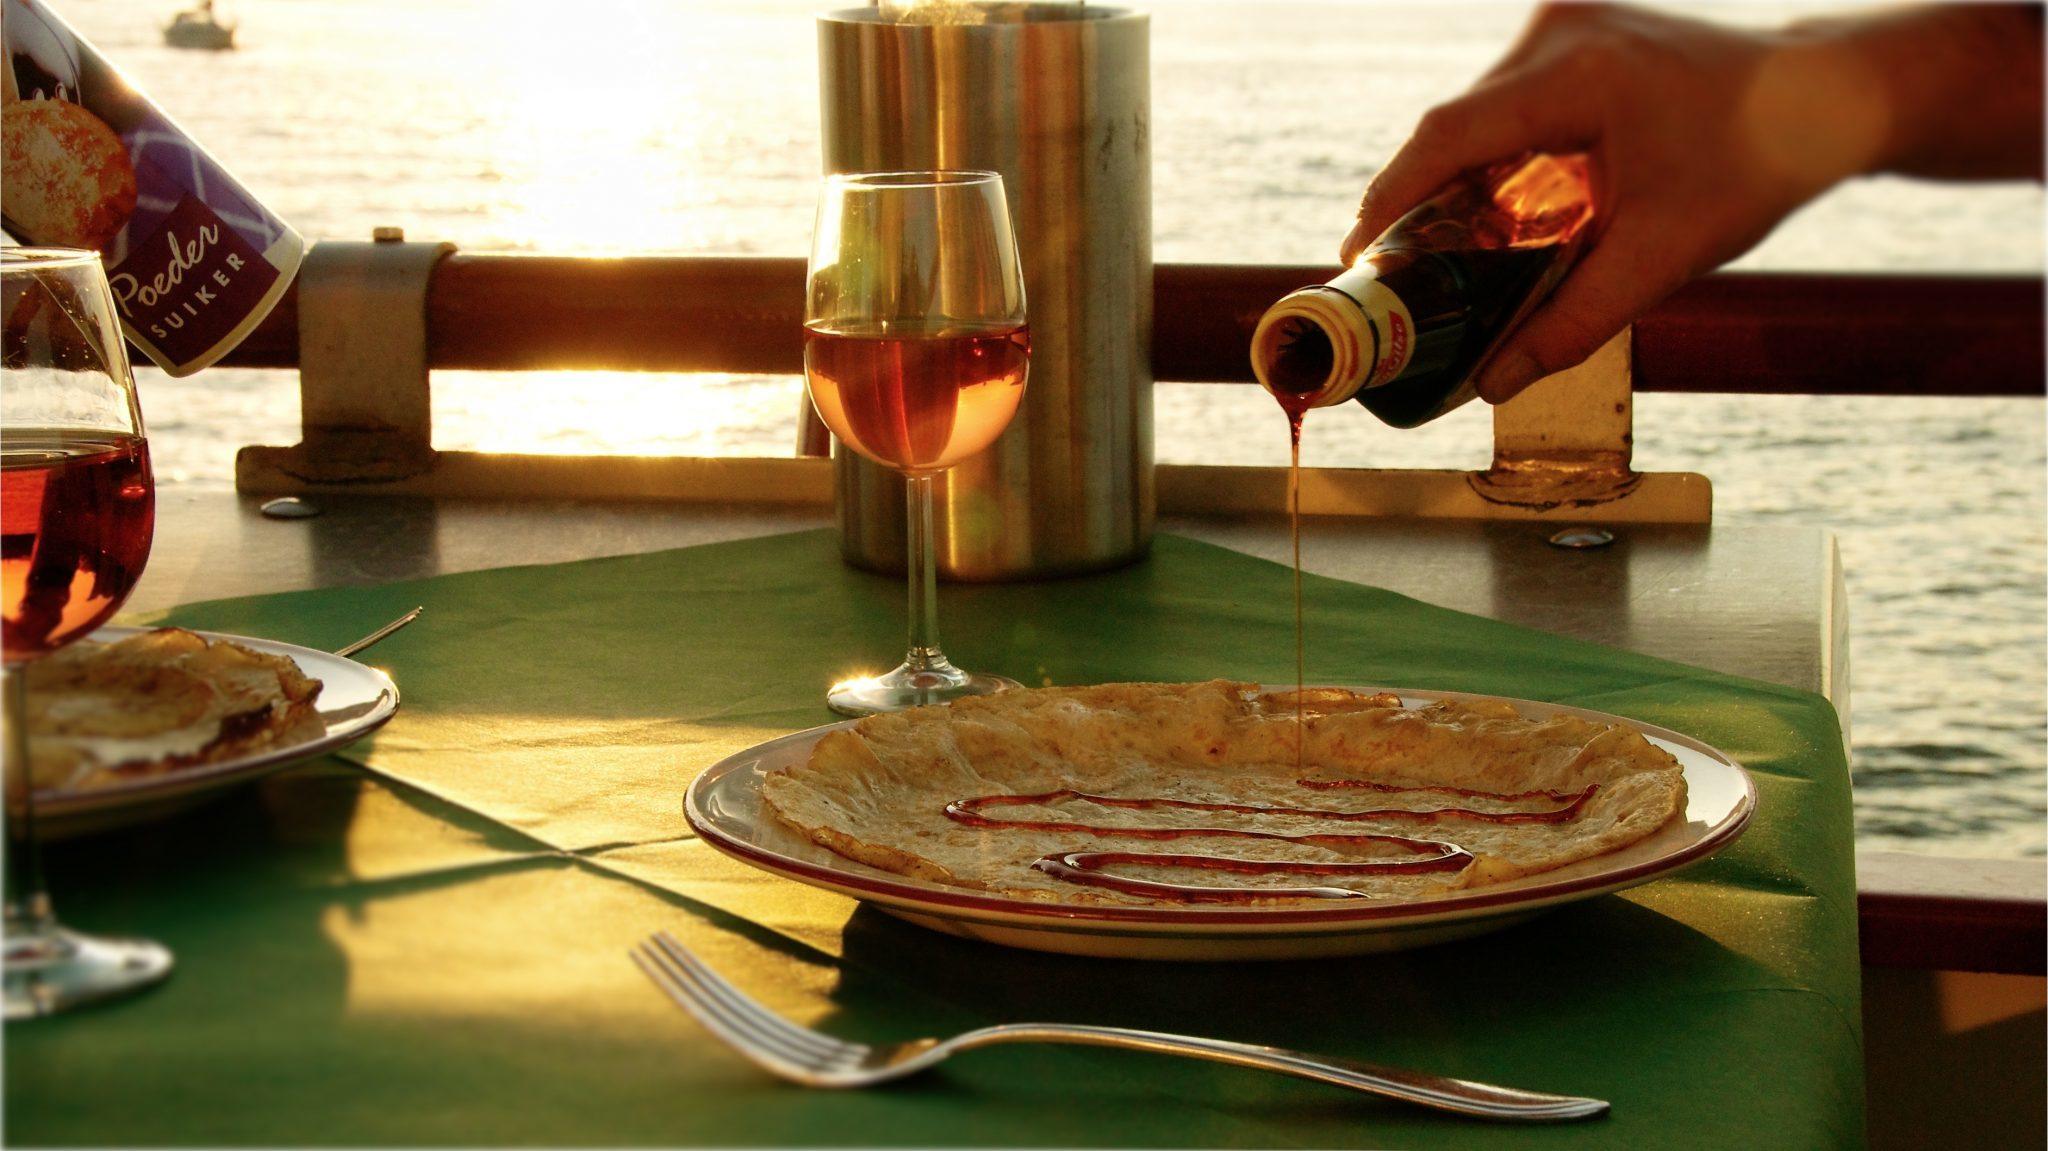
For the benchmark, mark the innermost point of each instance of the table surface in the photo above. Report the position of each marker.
(430, 969)
(1761, 602)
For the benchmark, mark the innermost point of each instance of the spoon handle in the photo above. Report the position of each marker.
(379, 635)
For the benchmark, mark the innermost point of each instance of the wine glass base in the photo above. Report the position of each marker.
(907, 687)
(59, 969)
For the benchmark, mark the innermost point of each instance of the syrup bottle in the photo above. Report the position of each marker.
(1404, 329)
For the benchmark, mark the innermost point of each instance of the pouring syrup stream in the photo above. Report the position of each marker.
(1296, 406)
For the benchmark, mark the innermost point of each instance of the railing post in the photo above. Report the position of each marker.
(1566, 441)
(366, 413)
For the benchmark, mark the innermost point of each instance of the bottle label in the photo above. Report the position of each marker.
(1392, 324)
(179, 276)
(195, 262)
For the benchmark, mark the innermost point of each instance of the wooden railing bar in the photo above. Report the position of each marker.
(1732, 332)
(1851, 335)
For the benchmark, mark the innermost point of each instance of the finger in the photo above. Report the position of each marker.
(1616, 282)
(1492, 122)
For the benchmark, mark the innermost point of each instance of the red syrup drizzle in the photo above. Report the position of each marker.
(1086, 867)
(1576, 799)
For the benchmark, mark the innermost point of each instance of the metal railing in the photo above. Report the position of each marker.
(367, 324)
(1732, 332)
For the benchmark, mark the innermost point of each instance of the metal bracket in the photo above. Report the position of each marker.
(366, 414)
(1568, 441)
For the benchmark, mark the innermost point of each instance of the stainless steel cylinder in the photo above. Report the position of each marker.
(1057, 98)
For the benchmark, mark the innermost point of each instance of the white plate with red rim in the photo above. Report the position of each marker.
(354, 701)
(724, 806)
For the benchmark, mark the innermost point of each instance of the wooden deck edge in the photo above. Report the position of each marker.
(737, 480)
(1211, 489)
(1953, 914)
(1949, 934)
(1184, 489)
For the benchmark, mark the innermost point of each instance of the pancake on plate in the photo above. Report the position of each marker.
(101, 713)
(1191, 794)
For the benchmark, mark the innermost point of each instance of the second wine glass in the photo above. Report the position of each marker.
(77, 514)
(915, 354)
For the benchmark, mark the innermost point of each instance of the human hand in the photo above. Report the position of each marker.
(1700, 139)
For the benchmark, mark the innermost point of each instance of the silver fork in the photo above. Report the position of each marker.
(819, 1060)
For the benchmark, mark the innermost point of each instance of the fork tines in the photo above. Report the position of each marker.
(749, 1028)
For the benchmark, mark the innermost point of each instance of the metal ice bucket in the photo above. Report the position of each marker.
(1057, 98)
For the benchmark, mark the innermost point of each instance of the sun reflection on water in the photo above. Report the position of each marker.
(592, 164)
(624, 413)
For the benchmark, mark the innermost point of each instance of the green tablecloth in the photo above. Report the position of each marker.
(423, 942)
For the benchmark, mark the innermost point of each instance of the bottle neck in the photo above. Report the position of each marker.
(1323, 345)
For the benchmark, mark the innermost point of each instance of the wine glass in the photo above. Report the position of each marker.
(915, 354)
(77, 509)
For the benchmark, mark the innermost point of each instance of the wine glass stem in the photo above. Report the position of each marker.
(28, 905)
(924, 579)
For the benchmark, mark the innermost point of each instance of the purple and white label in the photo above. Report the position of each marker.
(195, 261)
(177, 280)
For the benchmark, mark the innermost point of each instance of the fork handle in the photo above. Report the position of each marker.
(1463, 1096)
